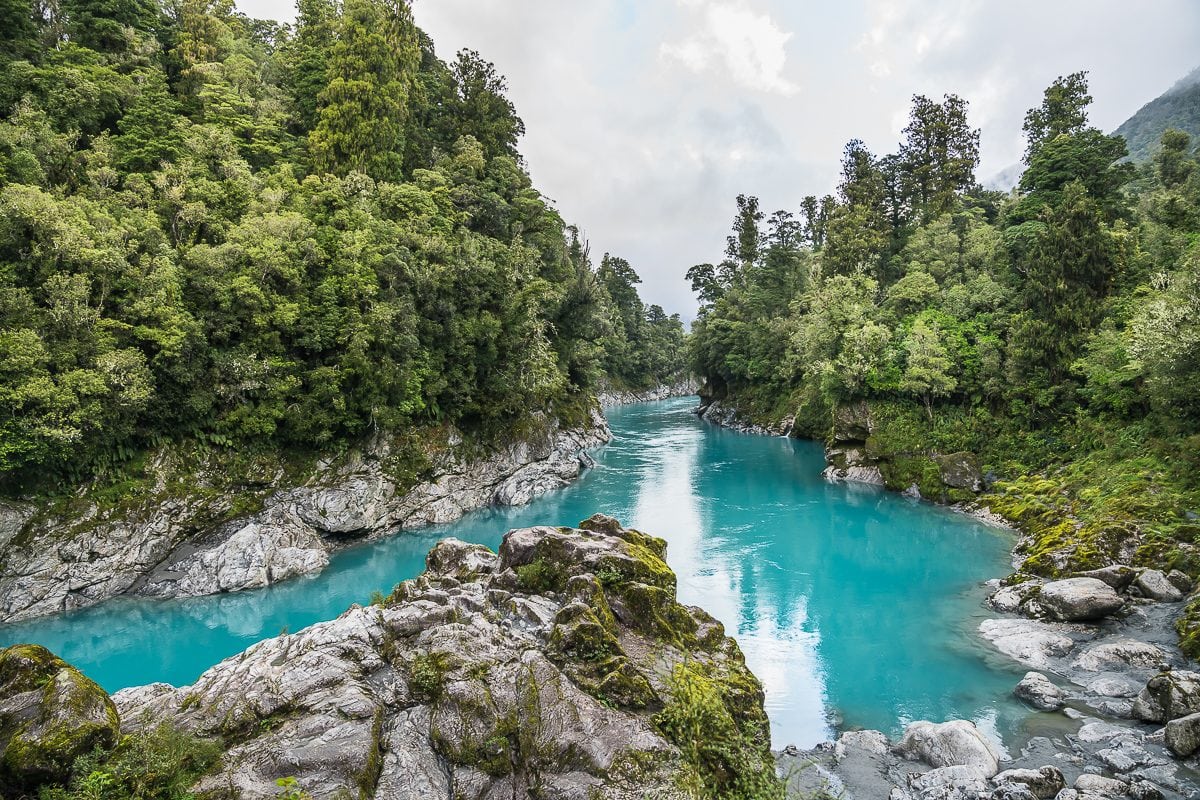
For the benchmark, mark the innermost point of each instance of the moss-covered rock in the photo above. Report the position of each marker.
(50, 715)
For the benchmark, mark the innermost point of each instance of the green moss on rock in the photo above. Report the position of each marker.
(53, 716)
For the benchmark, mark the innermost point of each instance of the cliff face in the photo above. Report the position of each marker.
(684, 387)
(561, 667)
(180, 534)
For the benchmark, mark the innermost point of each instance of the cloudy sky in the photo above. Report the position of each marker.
(646, 118)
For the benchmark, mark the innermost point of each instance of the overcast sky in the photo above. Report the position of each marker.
(646, 118)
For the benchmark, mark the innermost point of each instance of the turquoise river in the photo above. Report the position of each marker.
(856, 607)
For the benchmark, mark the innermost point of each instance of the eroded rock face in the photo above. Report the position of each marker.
(168, 547)
(50, 715)
(1078, 599)
(563, 663)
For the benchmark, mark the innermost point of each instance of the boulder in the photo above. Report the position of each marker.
(954, 743)
(1101, 786)
(1038, 691)
(1033, 643)
(945, 782)
(50, 715)
(1079, 599)
(1118, 576)
(960, 471)
(1155, 585)
(1042, 783)
(1123, 653)
(1167, 696)
(1144, 790)
(1183, 735)
(1180, 580)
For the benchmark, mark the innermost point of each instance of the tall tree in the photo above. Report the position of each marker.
(939, 154)
(1063, 110)
(483, 110)
(365, 104)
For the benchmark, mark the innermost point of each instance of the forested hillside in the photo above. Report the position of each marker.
(1054, 332)
(248, 234)
(1178, 107)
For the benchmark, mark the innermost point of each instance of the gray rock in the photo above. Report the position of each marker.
(1079, 599)
(1118, 576)
(1145, 790)
(1042, 783)
(1037, 690)
(1183, 735)
(1105, 787)
(1112, 687)
(1180, 580)
(477, 679)
(1167, 696)
(684, 387)
(1121, 653)
(954, 743)
(1154, 584)
(1033, 643)
(949, 783)
(165, 546)
(852, 422)
(960, 471)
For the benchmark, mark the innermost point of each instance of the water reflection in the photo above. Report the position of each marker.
(842, 598)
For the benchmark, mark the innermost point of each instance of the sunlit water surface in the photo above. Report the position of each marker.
(854, 606)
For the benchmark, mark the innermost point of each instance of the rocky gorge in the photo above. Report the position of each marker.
(560, 667)
(1114, 705)
(182, 532)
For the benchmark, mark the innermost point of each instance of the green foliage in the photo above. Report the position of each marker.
(161, 763)
(725, 748)
(428, 674)
(1054, 332)
(220, 230)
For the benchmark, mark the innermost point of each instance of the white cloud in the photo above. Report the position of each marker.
(729, 37)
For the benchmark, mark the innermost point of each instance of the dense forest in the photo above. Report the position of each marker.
(250, 234)
(1053, 331)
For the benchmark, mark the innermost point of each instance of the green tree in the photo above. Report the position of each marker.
(364, 106)
(927, 366)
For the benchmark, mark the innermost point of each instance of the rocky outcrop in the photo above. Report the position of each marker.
(561, 666)
(611, 397)
(50, 715)
(727, 415)
(169, 541)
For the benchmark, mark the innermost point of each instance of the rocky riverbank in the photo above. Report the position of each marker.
(610, 398)
(177, 535)
(1114, 707)
(560, 667)
(727, 415)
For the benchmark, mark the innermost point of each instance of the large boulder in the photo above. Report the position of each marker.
(1155, 585)
(1167, 696)
(1079, 599)
(50, 715)
(1038, 691)
(948, 744)
(1183, 735)
(960, 471)
(1123, 653)
(1118, 576)
(561, 666)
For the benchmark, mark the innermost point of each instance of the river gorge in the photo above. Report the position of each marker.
(856, 607)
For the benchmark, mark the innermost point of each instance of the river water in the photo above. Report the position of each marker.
(854, 606)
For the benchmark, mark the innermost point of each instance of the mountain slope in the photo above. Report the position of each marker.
(1178, 107)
